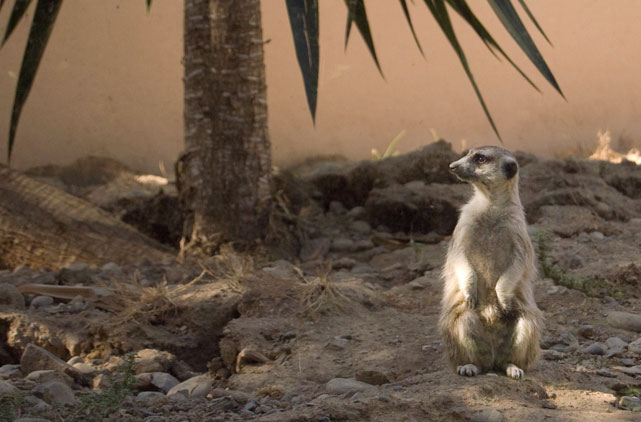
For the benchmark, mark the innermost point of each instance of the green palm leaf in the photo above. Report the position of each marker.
(533, 19)
(511, 21)
(43, 21)
(303, 19)
(409, 22)
(358, 15)
(439, 11)
(18, 11)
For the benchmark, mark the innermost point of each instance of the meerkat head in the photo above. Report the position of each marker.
(486, 166)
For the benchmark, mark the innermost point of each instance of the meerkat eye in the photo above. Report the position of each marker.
(480, 159)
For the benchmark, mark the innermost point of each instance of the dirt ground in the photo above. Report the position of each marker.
(359, 300)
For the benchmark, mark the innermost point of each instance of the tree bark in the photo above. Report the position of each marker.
(224, 174)
(44, 227)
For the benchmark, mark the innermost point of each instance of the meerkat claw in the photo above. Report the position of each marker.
(468, 370)
(514, 371)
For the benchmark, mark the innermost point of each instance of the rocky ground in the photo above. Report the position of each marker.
(336, 319)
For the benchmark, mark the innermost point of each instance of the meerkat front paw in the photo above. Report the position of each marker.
(471, 301)
(514, 371)
(468, 370)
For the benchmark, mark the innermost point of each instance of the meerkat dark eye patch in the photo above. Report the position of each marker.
(509, 169)
(479, 158)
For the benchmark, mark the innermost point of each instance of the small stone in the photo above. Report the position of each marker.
(198, 386)
(595, 349)
(75, 359)
(616, 346)
(488, 415)
(41, 302)
(239, 396)
(346, 385)
(627, 362)
(10, 371)
(548, 405)
(152, 360)
(344, 263)
(632, 371)
(630, 403)
(29, 419)
(55, 392)
(363, 244)
(7, 388)
(342, 245)
(635, 346)
(36, 405)
(85, 368)
(361, 227)
(357, 213)
(586, 331)
(78, 304)
(163, 381)
(35, 358)
(10, 296)
(48, 375)
(419, 283)
(338, 343)
(111, 267)
(597, 236)
(553, 355)
(605, 373)
(583, 237)
(151, 398)
(101, 382)
(337, 207)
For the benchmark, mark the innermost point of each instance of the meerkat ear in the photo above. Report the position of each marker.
(509, 169)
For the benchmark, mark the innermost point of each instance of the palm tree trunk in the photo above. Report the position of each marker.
(224, 174)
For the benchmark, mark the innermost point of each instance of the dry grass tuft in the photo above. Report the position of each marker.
(322, 295)
(229, 265)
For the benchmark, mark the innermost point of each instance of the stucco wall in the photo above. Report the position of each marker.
(110, 83)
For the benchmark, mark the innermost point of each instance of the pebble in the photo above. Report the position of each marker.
(346, 385)
(28, 419)
(35, 358)
(625, 321)
(635, 347)
(342, 244)
(7, 388)
(553, 355)
(616, 346)
(75, 359)
(163, 381)
(597, 236)
(338, 343)
(151, 398)
(10, 371)
(357, 213)
(152, 360)
(595, 349)
(586, 331)
(47, 375)
(549, 405)
(11, 296)
(632, 371)
(337, 207)
(41, 302)
(361, 227)
(372, 377)
(630, 403)
(605, 373)
(55, 392)
(198, 386)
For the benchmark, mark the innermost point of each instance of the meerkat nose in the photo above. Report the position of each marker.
(453, 166)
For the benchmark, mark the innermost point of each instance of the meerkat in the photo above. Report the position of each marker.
(489, 319)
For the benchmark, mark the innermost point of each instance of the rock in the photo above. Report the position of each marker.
(35, 358)
(372, 377)
(432, 208)
(361, 227)
(571, 220)
(41, 302)
(10, 296)
(85, 368)
(616, 346)
(596, 349)
(357, 213)
(152, 360)
(198, 386)
(36, 405)
(627, 362)
(553, 355)
(548, 405)
(55, 392)
(143, 381)
(182, 370)
(102, 382)
(630, 403)
(48, 375)
(634, 347)
(342, 244)
(488, 415)
(75, 359)
(282, 269)
(7, 388)
(586, 331)
(29, 419)
(239, 396)
(344, 263)
(314, 249)
(76, 273)
(625, 321)
(337, 207)
(632, 371)
(566, 343)
(163, 381)
(10, 371)
(597, 235)
(420, 283)
(338, 343)
(151, 398)
(605, 373)
(346, 385)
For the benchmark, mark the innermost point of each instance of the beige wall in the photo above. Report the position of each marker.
(110, 83)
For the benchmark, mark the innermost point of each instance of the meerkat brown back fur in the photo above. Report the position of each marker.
(489, 319)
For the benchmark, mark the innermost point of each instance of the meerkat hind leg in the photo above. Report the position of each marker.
(468, 370)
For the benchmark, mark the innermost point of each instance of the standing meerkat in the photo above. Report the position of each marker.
(489, 319)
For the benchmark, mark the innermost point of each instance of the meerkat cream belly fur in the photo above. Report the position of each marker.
(489, 319)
